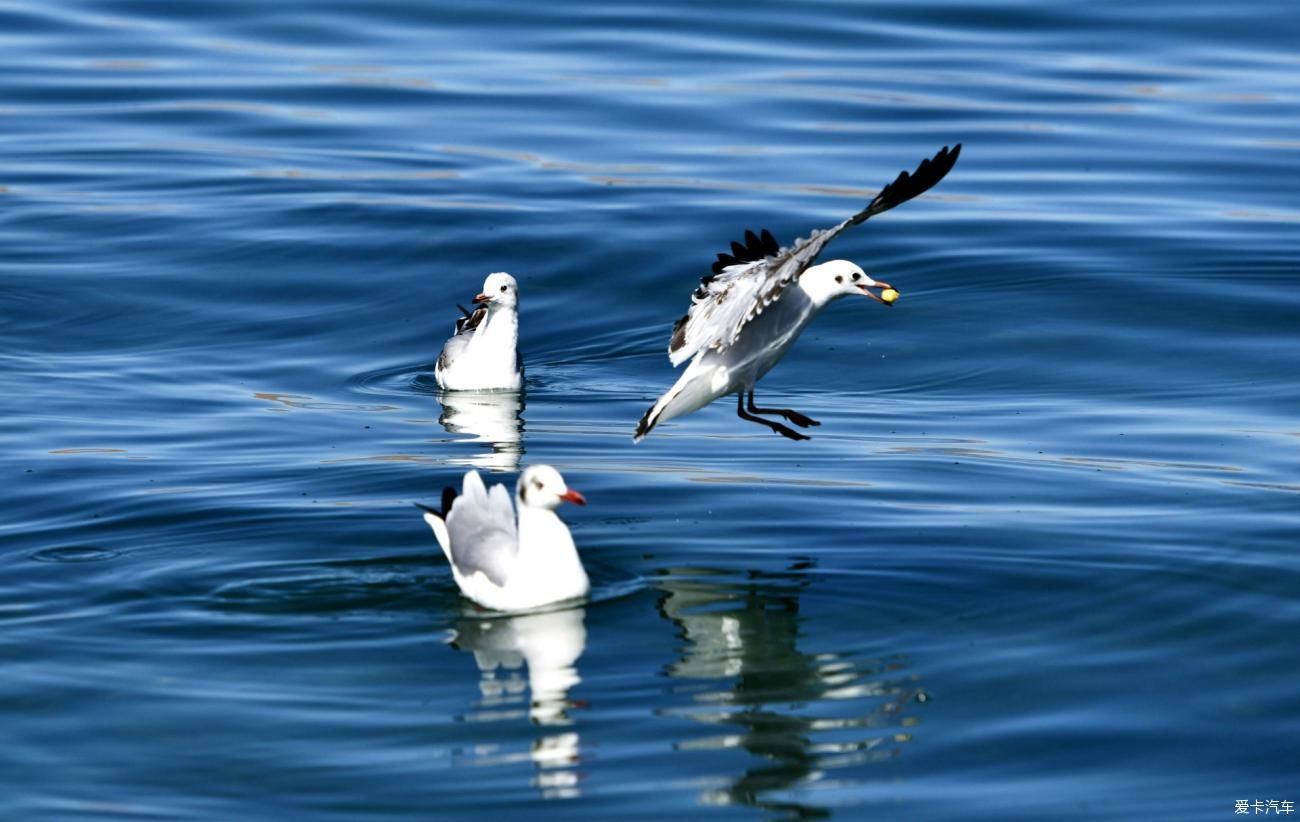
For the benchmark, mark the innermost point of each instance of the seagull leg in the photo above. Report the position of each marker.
(793, 416)
(775, 426)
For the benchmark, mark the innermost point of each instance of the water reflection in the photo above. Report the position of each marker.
(491, 417)
(800, 714)
(527, 664)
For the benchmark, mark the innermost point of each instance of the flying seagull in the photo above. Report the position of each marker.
(482, 354)
(753, 306)
(508, 564)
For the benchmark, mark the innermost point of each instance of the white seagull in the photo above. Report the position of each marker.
(745, 314)
(483, 355)
(501, 564)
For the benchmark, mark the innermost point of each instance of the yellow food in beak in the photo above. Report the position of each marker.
(888, 295)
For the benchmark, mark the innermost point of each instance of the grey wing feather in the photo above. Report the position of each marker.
(465, 327)
(484, 537)
(471, 320)
(451, 350)
(722, 306)
(728, 299)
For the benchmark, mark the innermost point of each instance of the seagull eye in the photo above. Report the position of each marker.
(856, 276)
(839, 278)
(537, 484)
(505, 288)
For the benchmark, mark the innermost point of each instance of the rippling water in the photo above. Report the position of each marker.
(1037, 563)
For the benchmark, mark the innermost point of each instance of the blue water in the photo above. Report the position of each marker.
(1038, 562)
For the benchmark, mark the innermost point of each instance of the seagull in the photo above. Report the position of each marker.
(482, 354)
(758, 299)
(503, 564)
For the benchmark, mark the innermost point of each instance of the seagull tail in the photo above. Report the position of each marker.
(693, 390)
(648, 421)
(657, 412)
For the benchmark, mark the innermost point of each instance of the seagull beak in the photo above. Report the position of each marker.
(481, 298)
(873, 295)
(574, 497)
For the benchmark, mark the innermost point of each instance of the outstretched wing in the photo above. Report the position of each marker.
(753, 275)
(481, 525)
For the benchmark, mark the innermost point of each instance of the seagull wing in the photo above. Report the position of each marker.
(470, 319)
(465, 326)
(481, 524)
(753, 275)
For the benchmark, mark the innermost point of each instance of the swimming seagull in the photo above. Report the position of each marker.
(503, 564)
(482, 354)
(745, 314)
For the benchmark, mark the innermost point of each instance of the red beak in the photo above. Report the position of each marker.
(573, 497)
(481, 298)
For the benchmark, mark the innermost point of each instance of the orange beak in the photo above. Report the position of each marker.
(573, 497)
(481, 298)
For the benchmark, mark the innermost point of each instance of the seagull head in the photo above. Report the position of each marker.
(541, 486)
(499, 291)
(840, 278)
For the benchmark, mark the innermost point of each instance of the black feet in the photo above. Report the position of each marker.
(788, 433)
(793, 416)
(790, 414)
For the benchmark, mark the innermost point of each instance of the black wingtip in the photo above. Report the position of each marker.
(428, 510)
(756, 247)
(471, 319)
(908, 185)
(448, 498)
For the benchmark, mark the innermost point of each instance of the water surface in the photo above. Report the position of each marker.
(1038, 561)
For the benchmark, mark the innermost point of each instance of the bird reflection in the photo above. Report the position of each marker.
(491, 417)
(546, 644)
(799, 714)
